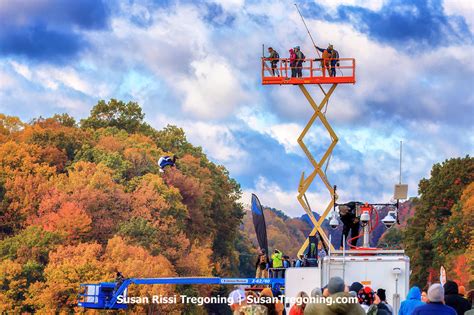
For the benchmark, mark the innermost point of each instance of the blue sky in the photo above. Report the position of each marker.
(196, 64)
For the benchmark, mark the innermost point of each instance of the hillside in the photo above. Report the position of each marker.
(283, 232)
(288, 234)
(81, 201)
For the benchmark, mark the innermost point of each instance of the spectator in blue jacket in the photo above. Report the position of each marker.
(435, 306)
(413, 301)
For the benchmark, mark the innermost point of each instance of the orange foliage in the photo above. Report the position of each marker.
(69, 220)
(147, 202)
(110, 143)
(131, 260)
(172, 240)
(461, 270)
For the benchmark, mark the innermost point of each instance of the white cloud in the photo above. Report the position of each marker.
(21, 69)
(373, 5)
(7, 80)
(213, 91)
(464, 8)
(271, 194)
(230, 5)
(53, 77)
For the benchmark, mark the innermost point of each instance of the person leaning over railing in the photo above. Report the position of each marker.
(329, 60)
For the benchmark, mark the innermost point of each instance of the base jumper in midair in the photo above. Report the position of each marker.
(165, 161)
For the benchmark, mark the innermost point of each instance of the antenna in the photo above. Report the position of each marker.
(307, 29)
(401, 190)
(401, 150)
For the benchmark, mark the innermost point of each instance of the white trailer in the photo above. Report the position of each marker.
(387, 269)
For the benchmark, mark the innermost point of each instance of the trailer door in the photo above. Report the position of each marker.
(301, 279)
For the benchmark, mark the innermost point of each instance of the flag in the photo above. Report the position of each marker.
(259, 223)
(442, 275)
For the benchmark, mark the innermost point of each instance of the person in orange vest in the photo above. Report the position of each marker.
(326, 59)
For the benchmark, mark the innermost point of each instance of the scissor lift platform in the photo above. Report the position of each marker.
(314, 71)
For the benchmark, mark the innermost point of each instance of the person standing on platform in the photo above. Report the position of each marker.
(262, 265)
(293, 63)
(277, 263)
(334, 61)
(274, 58)
(299, 61)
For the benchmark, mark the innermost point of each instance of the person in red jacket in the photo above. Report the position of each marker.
(293, 62)
(300, 305)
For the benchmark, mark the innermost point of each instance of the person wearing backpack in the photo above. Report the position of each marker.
(274, 58)
(334, 61)
(299, 61)
(326, 62)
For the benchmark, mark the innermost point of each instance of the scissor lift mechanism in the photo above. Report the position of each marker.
(316, 73)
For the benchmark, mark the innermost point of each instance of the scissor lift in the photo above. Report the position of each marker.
(313, 71)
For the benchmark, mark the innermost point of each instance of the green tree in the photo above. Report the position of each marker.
(138, 231)
(33, 243)
(114, 113)
(65, 120)
(426, 232)
(173, 139)
(391, 239)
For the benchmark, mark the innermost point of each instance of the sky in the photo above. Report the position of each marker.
(196, 64)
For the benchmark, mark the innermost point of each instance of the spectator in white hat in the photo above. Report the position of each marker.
(435, 306)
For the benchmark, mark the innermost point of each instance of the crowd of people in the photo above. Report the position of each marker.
(448, 299)
(275, 265)
(439, 299)
(329, 60)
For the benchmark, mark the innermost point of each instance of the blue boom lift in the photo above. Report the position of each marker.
(105, 295)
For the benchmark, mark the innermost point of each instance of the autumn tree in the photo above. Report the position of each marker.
(68, 267)
(23, 258)
(129, 259)
(436, 227)
(9, 126)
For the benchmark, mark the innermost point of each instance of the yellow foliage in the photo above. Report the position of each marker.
(136, 262)
(11, 284)
(68, 267)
